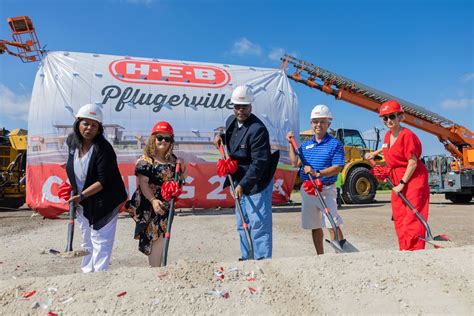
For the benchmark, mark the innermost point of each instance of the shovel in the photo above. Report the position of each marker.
(69, 253)
(164, 255)
(335, 243)
(225, 154)
(439, 241)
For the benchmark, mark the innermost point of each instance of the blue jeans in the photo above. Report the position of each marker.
(257, 210)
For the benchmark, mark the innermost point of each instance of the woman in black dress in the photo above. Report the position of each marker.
(148, 207)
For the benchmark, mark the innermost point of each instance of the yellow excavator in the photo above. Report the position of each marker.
(13, 167)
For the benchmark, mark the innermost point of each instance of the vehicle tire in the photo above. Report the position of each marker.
(459, 198)
(359, 187)
(12, 203)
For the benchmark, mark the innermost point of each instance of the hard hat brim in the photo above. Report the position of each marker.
(391, 112)
(241, 103)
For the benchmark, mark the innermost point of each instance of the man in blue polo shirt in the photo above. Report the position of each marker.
(323, 156)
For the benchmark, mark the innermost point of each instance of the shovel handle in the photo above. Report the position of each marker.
(413, 209)
(221, 150)
(164, 254)
(70, 226)
(245, 225)
(295, 146)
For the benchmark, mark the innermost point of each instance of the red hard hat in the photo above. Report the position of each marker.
(163, 128)
(389, 107)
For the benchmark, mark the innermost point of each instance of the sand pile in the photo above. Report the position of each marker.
(204, 276)
(432, 281)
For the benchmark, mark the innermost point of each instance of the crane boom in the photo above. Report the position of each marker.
(457, 139)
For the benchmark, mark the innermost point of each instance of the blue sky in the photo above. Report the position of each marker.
(421, 51)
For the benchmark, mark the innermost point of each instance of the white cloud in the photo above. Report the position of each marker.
(13, 106)
(276, 54)
(467, 77)
(457, 104)
(245, 47)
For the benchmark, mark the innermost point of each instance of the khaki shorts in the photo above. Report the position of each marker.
(312, 210)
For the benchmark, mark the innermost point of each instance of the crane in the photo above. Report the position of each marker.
(456, 178)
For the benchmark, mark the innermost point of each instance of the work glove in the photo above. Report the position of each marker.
(64, 191)
(170, 189)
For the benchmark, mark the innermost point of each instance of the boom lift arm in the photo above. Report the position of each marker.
(457, 139)
(25, 40)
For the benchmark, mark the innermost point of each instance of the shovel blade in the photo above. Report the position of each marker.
(348, 247)
(440, 241)
(335, 245)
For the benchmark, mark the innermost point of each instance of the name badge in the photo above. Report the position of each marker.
(310, 146)
(385, 146)
(243, 146)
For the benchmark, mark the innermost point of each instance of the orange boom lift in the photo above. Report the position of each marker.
(25, 42)
(453, 176)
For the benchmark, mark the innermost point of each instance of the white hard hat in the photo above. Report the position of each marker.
(90, 111)
(321, 111)
(242, 95)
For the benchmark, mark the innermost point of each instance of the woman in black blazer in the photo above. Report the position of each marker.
(98, 189)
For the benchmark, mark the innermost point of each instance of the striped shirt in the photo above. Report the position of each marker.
(329, 152)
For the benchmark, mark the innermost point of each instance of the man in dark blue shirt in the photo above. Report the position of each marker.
(323, 156)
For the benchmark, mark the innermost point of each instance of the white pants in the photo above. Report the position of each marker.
(99, 243)
(312, 209)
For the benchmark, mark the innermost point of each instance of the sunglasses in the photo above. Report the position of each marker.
(167, 139)
(391, 117)
(316, 122)
(238, 107)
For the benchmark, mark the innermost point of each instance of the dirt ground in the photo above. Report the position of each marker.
(378, 279)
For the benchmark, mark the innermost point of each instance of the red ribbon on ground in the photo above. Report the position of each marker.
(64, 191)
(225, 167)
(28, 294)
(170, 189)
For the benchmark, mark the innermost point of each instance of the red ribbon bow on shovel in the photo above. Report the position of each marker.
(381, 173)
(170, 189)
(309, 188)
(64, 191)
(225, 167)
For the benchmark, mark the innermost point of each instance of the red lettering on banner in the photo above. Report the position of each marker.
(203, 188)
(171, 74)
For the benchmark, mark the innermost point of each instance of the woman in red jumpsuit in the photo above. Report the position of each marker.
(402, 150)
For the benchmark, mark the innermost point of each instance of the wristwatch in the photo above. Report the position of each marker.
(81, 197)
(402, 182)
(318, 173)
